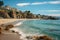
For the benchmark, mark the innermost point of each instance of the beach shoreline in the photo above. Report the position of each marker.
(3, 21)
(19, 34)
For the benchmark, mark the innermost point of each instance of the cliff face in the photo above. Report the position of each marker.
(4, 14)
(14, 13)
(8, 12)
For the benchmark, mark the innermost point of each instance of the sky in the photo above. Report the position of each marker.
(43, 7)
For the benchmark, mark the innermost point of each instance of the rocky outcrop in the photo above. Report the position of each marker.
(4, 14)
(8, 12)
(6, 27)
(9, 26)
(39, 37)
(13, 13)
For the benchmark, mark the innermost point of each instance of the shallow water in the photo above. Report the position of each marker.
(38, 27)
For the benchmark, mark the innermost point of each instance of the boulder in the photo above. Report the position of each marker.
(13, 31)
(9, 26)
(29, 37)
(41, 38)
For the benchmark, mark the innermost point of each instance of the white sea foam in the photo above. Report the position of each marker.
(17, 24)
(16, 29)
(20, 32)
(23, 35)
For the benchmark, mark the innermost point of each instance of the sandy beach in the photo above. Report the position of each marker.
(8, 35)
(3, 21)
(12, 35)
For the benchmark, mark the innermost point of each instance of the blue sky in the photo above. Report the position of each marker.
(43, 7)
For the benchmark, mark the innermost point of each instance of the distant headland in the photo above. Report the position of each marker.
(7, 12)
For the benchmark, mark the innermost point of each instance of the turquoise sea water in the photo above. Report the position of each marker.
(47, 27)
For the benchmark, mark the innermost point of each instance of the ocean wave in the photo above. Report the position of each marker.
(17, 24)
(37, 27)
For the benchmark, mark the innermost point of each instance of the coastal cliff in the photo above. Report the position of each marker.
(7, 12)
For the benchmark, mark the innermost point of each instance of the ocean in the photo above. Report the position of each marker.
(41, 27)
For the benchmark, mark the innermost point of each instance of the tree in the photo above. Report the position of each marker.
(1, 3)
(27, 14)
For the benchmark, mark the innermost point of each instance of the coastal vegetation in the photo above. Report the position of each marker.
(9, 12)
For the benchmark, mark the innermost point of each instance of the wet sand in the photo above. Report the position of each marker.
(11, 36)
(8, 35)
